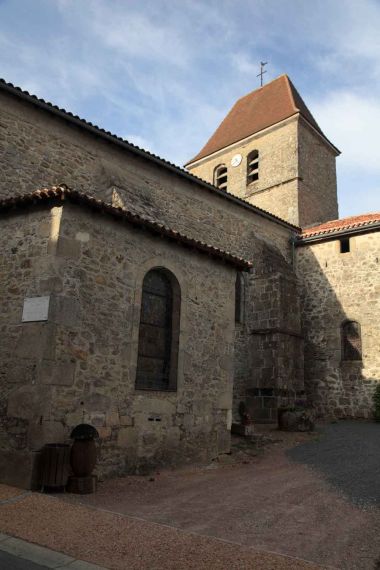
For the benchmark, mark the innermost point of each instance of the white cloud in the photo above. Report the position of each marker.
(168, 71)
(352, 122)
(139, 35)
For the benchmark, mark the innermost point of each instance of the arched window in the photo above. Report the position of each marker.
(351, 341)
(239, 298)
(252, 166)
(159, 332)
(220, 177)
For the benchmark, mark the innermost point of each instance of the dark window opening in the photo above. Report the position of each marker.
(159, 332)
(344, 245)
(253, 166)
(239, 298)
(351, 341)
(220, 177)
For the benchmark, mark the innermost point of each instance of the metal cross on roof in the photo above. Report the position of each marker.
(262, 64)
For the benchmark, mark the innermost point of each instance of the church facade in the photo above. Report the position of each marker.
(151, 301)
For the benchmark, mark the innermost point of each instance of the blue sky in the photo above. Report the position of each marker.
(163, 74)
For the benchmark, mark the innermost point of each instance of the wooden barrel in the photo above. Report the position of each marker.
(55, 466)
(83, 457)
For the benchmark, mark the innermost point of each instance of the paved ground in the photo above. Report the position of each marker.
(271, 503)
(348, 455)
(16, 554)
(224, 516)
(122, 543)
(11, 562)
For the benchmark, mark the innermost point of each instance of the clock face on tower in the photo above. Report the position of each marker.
(236, 160)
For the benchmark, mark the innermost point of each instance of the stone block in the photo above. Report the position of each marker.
(155, 406)
(19, 371)
(67, 247)
(126, 437)
(56, 373)
(95, 401)
(188, 421)
(225, 400)
(28, 402)
(50, 285)
(126, 421)
(83, 237)
(226, 363)
(37, 340)
(173, 437)
(75, 418)
(47, 431)
(224, 441)
(112, 418)
(65, 311)
(98, 419)
(19, 468)
(104, 432)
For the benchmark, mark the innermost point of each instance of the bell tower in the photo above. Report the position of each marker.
(270, 151)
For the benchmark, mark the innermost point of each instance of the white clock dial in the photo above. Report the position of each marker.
(236, 160)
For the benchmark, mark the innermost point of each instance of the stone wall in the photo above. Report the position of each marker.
(80, 364)
(318, 200)
(40, 149)
(336, 287)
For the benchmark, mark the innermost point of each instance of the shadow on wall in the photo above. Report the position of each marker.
(269, 341)
(340, 319)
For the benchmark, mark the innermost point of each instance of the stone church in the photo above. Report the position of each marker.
(151, 301)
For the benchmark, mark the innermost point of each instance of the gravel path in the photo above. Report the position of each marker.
(119, 543)
(271, 503)
(348, 455)
(236, 516)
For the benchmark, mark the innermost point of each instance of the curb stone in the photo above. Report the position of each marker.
(43, 556)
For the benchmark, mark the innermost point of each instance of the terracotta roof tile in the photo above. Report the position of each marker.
(344, 224)
(256, 111)
(17, 91)
(62, 192)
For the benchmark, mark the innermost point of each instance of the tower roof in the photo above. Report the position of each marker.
(262, 108)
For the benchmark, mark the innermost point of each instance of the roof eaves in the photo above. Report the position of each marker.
(333, 233)
(62, 193)
(137, 150)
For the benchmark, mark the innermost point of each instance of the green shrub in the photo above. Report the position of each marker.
(376, 401)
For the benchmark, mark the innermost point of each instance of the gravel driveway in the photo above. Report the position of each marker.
(314, 498)
(348, 455)
(272, 502)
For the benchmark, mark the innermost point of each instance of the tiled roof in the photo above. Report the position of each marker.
(262, 108)
(94, 129)
(345, 224)
(60, 193)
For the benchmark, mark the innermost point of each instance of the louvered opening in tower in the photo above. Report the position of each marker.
(220, 177)
(253, 166)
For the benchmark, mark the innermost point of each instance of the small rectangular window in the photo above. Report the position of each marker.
(345, 245)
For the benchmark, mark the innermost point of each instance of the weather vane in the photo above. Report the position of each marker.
(262, 64)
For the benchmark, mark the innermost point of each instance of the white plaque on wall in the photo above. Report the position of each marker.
(35, 309)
